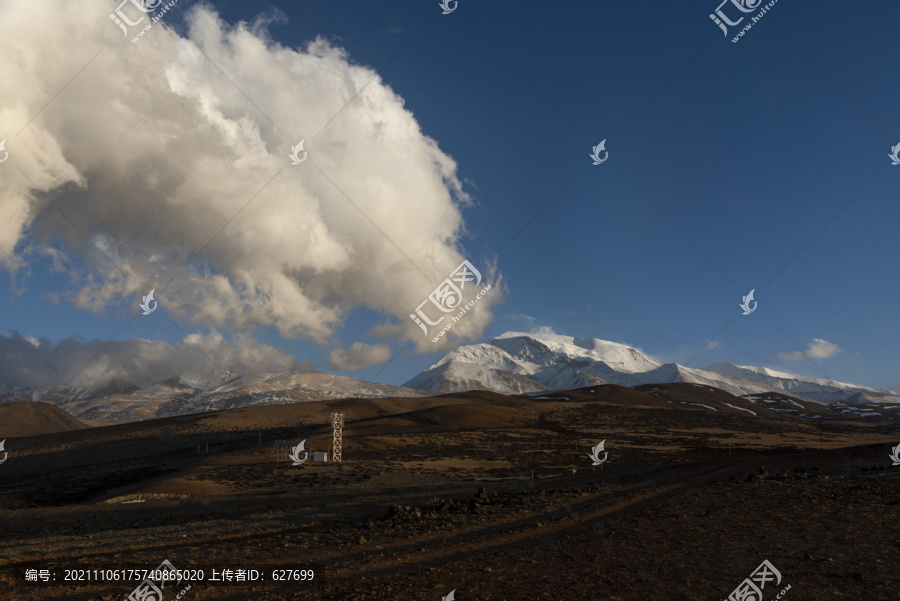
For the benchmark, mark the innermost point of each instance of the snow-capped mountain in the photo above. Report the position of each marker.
(826, 391)
(121, 401)
(516, 363)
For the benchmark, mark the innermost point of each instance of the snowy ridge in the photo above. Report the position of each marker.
(516, 363)
(119, 401)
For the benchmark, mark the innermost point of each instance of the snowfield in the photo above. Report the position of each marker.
(517, 363)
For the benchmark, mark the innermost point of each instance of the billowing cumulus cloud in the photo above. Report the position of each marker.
(158, 150)
(200, 360)
(818, 349)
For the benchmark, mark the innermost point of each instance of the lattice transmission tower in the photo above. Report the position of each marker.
(337, 424)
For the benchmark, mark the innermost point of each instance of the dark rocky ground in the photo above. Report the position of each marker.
(688, 504)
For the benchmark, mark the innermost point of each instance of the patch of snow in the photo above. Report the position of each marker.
(740, 408)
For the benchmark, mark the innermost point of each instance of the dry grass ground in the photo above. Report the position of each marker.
(679, 511)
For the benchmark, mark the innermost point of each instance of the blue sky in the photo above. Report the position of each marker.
(761, 164)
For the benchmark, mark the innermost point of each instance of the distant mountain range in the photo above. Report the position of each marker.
(120, 401)
(513, 363)
(519, 363)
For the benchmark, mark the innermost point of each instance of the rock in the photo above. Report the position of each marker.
(362, 540)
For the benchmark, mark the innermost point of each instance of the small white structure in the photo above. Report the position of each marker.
(320, 457)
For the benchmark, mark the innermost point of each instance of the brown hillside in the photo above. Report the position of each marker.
(34, 418)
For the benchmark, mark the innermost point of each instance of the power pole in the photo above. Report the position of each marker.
(337, 424)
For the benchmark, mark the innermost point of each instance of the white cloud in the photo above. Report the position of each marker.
(358, 356)
(78, 362)
(818, 349)
(153, 152)
(528, 319)
(544, 331)
(713, 344)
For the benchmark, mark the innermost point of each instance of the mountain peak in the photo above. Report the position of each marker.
(514, 361)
